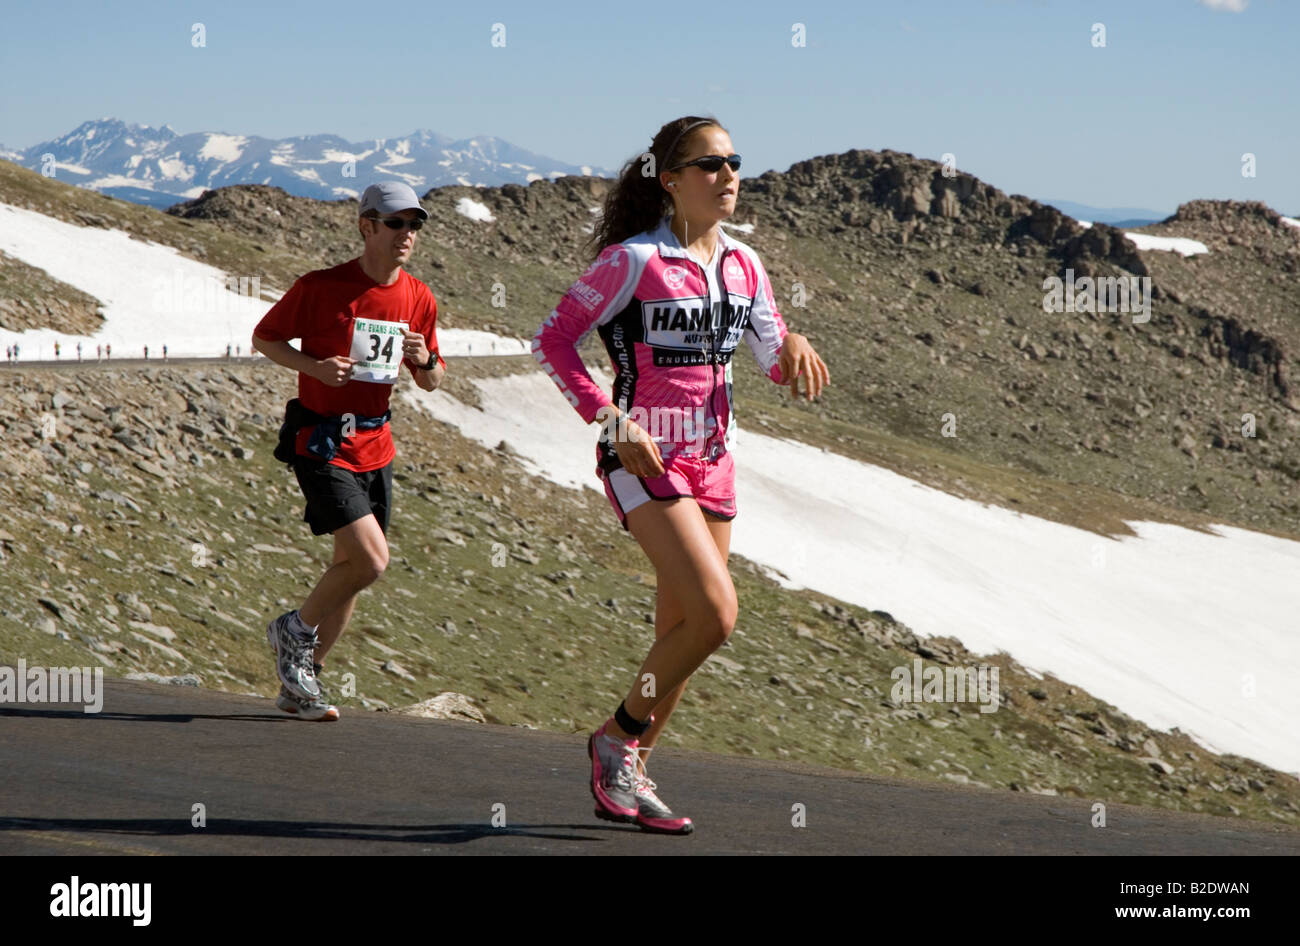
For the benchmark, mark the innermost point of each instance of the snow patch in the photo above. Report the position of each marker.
(474, 210)
(224, 148)
(1181, 245)
(119, 180)
(1147, 241)
(150, 294)
(174, 169)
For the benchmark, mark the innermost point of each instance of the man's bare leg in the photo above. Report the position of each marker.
(360, 557)
(331, 629)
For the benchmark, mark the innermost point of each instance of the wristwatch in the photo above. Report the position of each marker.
(433, 360)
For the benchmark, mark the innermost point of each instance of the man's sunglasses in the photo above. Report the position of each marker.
(711, 162)
(397, 223)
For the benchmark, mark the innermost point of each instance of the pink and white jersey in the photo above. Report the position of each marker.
(670, 326)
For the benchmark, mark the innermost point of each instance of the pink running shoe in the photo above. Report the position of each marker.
(613, 776)
(651, 813)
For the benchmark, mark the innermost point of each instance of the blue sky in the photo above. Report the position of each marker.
(1013, 88)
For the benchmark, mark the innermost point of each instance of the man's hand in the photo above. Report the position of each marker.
(414, 348)
(335, 372)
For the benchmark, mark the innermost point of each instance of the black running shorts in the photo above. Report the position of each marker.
(336, 497)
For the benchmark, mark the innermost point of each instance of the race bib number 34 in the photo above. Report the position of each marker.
(377, 350)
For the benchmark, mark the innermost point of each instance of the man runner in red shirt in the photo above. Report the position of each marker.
(359, 322)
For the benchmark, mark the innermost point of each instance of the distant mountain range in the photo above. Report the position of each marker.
(160, 167)
(1113, 216)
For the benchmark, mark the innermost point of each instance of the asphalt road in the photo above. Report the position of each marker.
(126, 780)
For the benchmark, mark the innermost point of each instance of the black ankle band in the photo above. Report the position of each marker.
(627, 723)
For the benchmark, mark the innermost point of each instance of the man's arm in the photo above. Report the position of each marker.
(334, 371)
(429, 380)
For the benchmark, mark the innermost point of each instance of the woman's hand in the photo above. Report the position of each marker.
(636, 450)
(798, 360)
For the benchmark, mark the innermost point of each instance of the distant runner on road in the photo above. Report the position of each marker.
(359, 323)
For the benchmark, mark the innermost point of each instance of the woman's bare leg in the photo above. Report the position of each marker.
(685, 555)
(668, 614)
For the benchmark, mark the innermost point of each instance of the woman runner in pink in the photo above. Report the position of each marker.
(671, 295)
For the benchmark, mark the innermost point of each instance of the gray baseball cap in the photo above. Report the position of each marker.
(389, 197)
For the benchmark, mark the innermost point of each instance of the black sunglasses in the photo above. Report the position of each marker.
(397, 223)
(711, 162)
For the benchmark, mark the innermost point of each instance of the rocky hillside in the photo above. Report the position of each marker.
(147, 529)
(925, 293)
(31, 298)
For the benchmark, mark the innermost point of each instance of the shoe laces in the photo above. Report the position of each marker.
(644, 785)
(304, 651)
(625, 776)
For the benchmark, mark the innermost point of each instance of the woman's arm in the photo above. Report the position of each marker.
(598, 295)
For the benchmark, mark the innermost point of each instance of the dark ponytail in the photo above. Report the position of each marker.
(637, 202)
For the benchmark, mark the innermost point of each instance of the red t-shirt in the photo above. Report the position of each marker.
(320, 310)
